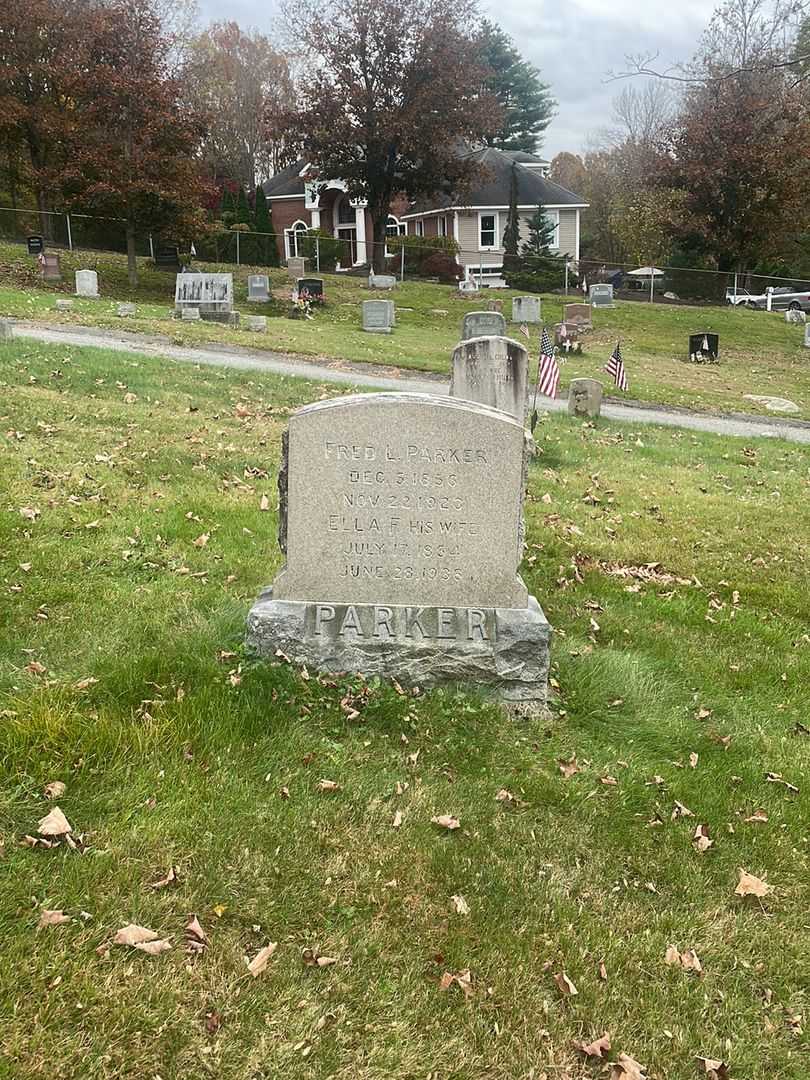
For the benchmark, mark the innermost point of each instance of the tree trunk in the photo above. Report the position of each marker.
(132, 266)
(379, 224)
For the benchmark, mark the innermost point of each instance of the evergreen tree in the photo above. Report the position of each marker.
(525, 99)
(242, 208)
(262, 212)
(227, 206)
(541, 236)
(511, 234)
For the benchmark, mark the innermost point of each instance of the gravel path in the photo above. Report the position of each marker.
(390, 378)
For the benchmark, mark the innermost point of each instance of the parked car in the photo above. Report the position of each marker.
(785, 298)
(741, 296)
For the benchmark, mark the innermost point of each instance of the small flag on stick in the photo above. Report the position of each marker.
(615, 368)
(548, 374)
(525, 331)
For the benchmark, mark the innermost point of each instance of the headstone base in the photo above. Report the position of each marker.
(510, 664)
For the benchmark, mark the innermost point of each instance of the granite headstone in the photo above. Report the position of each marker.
(493, 371)
(258, 288)
(585, 398)
(381, 281)
(258, 323)
(704, 348)
(526, 309)
(49, 266)
(807, 336)
(401, 521)
(578, 315)
(296, 266)
(483, 324)
(601, 295)
(6, 330)
(124, 310)
(87, 283)
(378, 316)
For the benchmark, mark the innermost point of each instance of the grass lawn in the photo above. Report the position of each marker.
(760, 353)
(678, 690)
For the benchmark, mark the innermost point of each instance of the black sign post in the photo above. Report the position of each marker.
(36, 245)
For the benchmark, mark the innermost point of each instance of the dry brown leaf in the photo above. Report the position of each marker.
(777, 778)
(258, 965)
(460, 905)
(627, 1068)
(462, 979)
(714, 1068)
(196, 940)
(312, 958)
(33, 667)
(679, 811)
(701, 839)
(568, 767)
(565, 985)
(599, 1048)
(688, 960)
(759, 817)
(693, 760)
(170, 879)
(213, 1022)
(609, 781)
(51, 918)
(201, 540)
(672, 955)
(328, 785)
(749, 885)
(264, 503)
(153, 948)
(132, 934)
(602, 972)
(54, 824)
(85, 684)
(397, 819)
(55, 790)
(445, 821)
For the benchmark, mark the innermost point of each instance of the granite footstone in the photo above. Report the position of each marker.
(125, 310)
(401, 521)
(6, 330)
(585, 398)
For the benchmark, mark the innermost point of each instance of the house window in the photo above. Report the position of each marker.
(293, 238)
(395, 227)
(487, 231)
(553, 218)
(442, 226)
(419, 227)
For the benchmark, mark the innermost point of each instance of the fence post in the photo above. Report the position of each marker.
(151, 248)
(567, 264)
(735, 286)
(402, 262)
(652, 284)
(69, 234)
(318, 254)
(237, 247)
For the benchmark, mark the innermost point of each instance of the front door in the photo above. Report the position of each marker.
(348, 247)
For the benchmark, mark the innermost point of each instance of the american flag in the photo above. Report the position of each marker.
(615, 368)
(525, 331)
(548, 374)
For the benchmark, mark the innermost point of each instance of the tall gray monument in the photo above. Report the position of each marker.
(401, 521)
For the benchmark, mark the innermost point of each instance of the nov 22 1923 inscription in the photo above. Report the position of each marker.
(401, 520)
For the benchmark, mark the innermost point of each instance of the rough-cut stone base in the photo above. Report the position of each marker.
(510, 666)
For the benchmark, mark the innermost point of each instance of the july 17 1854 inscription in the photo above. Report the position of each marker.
(401, 521)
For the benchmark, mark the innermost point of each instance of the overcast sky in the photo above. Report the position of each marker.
(573, 43)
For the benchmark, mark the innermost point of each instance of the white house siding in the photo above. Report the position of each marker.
(468, 236)
(568, 232)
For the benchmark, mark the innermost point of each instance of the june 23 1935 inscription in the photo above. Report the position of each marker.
(399, 506)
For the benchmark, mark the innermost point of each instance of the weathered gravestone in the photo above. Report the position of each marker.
(63, 305)
(36, 244)
(167, 257)
(566, 338)
(257, 323)
(601, 295)
(468, 285)
(210, 294)
(483, 324)
(296, 266)
(704, 348)
(87, 283)
(526, 309)
(585, 398)
(124, 310)
(807, 336)
(6, 330)
(378, 316)
(381, 281)
(258, 288)
(578, 315)
(493, 371)
(49, 267)
(401, 520)
(313, 286)
(795, 316)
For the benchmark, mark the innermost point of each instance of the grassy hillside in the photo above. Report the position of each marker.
(760, 353)
(674, 570)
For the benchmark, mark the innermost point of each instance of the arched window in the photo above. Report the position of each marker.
(345, 212)
(293, 237)
(394, 227)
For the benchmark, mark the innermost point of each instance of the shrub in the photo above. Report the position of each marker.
(443, 266)
(418, 249)
(535, 282)
(326, 252)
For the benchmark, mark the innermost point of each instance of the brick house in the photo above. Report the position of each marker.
(300, 203)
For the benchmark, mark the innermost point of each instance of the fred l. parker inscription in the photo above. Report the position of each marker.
(417, 502)
(401, 521)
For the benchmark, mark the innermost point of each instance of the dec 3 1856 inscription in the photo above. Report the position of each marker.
(401, 521)
(403, 499)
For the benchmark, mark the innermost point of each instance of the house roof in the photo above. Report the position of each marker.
(525, 159)
(287, 182)
(491, 189)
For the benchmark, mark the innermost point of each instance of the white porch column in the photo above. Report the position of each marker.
(316, 218)
(360, 222)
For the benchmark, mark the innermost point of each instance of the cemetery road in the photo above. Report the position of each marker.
(388, 378)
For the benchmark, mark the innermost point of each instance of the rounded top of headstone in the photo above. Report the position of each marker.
(404, 398)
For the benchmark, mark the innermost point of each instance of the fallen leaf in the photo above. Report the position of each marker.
(35, 668)
(693, 760)
(213, 1022)
(688, 960)
(445, 821)
(258, 965)
(201, 540)
(264, 503)
(462, 979)
(153, 948)
(599, 1048)
(130, 399)
(397, 819)
(679, 811)
(29, 513)
(460, 905)
(749, 885)
(170, 879)
(777, 778)
(565, 985)
(51, 918)
(701, 839)
(758, 817)
(54, 824)
(328, 785)
(714, 1068)
(602, 972)
(312, 958)
(55, 790)
(132, 934)
(196, 940)
(627, 1068)
(568, 767)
